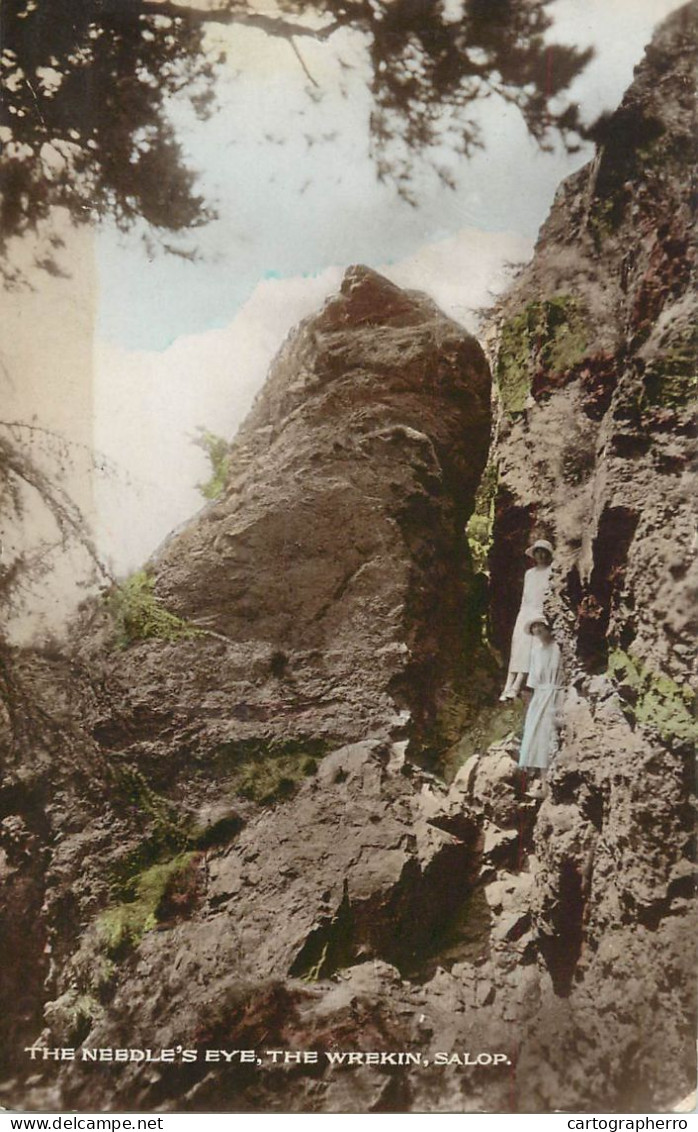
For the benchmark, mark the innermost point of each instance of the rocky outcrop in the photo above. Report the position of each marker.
(594, 451)
(323, 599)
(335, 559)
(243, 842)
(595, 370)
(331, 578)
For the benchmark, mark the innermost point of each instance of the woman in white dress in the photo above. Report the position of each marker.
(539, 743)
(535, 589)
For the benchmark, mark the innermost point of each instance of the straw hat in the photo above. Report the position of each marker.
(540, 544)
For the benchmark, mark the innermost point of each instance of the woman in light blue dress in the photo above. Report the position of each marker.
(539, 743)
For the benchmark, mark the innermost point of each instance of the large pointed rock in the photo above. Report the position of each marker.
(333, 568)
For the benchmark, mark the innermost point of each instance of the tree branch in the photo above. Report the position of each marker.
(271, 25)
(301, 60)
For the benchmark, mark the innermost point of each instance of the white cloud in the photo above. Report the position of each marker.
(150, 404)
(619, 33)
(464, 272)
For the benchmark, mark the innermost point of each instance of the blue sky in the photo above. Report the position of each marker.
(296, 192)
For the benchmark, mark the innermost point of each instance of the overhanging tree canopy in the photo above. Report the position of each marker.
(85, 87)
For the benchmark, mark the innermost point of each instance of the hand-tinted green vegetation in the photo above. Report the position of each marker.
(157, 894)
(653, 699)
(169, 831)
(123, 925)
(480, 523)
(269, 772)
(550, 336)
(139, 615)
(670, 379)
(218, 451)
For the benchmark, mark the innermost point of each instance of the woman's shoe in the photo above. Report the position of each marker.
(536, 789)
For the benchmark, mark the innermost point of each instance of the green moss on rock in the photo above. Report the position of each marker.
(568, 334)
(479, 527)
(257, 770)
(139, 615)
(671, 378)
(156, 894)
(169, 831)
(513, 372)
(604, 219)
(550, 336)
(270, 772)
(122, 926)
(274, 778)
(653, 699)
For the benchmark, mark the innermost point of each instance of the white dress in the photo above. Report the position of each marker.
(535, 589)
(539, 742)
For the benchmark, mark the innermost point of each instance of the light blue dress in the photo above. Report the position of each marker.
(539, 743)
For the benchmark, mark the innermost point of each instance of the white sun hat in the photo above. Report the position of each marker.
(540, 544)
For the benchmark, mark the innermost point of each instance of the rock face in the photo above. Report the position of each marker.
(323, 599)
(337, 549)
(228, 833)
(332, 576)
(595, 442)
